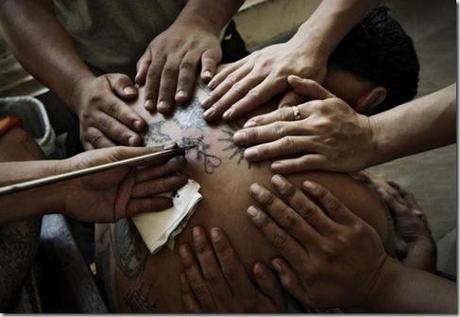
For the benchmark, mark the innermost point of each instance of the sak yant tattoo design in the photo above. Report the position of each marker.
(131, 251)
(137, 299)
(154, 134)
(235, 151)
(210, 162)
(190, 116)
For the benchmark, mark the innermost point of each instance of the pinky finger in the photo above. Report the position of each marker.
(189, 300)
(304, 163)
(291, 282)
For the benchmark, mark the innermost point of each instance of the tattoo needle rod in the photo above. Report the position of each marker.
(150, 158)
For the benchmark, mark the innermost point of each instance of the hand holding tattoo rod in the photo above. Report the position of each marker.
(95, 186)
(332, 258)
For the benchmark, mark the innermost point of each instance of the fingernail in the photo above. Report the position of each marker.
(276, 165)
(132, 140)
(163, 106)
(228, 114)
(260, 272)
(277, 180)
(212, 84)
(207, 75)
(215, 234)
(205, 103)
(196, 232)
(239, 136)
(209, 113)
(181, 94)
(285, 105)
(129, 90)
(252, 211)
(277, 265)
(255, 189)
(183, 251)
(250, 124)
(251, 153)
(149, 105)
(138, 125)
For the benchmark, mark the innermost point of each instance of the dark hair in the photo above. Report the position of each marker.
(379, 50)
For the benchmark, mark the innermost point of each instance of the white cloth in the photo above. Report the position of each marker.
(159, 228)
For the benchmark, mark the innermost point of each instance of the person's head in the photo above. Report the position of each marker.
(375, 67)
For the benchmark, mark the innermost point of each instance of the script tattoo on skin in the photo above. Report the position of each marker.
(235, 151)
(18, 247)
(131, 251)
(137, 299)
(210, 161)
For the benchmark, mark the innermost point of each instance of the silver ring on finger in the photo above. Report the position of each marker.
(296, 113)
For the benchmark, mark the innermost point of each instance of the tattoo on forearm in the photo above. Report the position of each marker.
(137, 299)
(235, 151)
(131, 252)
(210, 161)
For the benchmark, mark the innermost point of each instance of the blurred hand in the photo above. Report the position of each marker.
(218, 282)
(328, 135)
(169, 65)
(332, 258)
(120, 192)
(105, 118)
(245, 85)
(415, 245)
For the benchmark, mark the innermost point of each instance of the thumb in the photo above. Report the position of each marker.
(309, 88)
(291, 98)
(122, 86)
(125, 152)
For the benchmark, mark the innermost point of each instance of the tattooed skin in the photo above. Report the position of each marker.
(190, 116)
(235, 151)
(210, 162)
(131, 251)
(137, 299)
(155, 135)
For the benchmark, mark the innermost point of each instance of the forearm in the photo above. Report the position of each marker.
(329, 24)
(25, 204)
(213, 15)
(407, 290)
(44, 48)
(419, 125)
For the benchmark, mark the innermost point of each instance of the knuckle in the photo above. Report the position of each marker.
(253, 94)
(279, 239)
(289, 221)
(187, 65)
(288, 143)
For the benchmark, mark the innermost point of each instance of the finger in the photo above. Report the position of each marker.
(291, 221)
(123, 152)
(333, 207)
(186, 79)
(304, 206)
(210, 267)
(189, 300)
(119, 110)
(224, 72)
(142, 205)
(168, 85)
(285, 244)
(209, 61)
(122, 85)
(158, 186)
(142, 67)
(287, 145)
(116, 130)
(268, 283)
(255, 97)
(196, 280)
(291, 282)
(225, 86)
(235, 93)
(152, 82)
(303, 163)
(308, 88)
(87, 146)
(269, 132)
(283, 114)
(232, 268)
(291, 98)
(97, 139)
(173, 165)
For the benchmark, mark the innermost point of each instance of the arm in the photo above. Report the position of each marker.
(46, 50)
(419, 125)
(262, 75)
(332, 258)
(168, 66)
(102, 197)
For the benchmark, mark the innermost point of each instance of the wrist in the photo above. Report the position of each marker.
(77, 89)
(199, 22)
(379, 142)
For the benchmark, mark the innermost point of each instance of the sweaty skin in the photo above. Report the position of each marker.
(136, 281)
